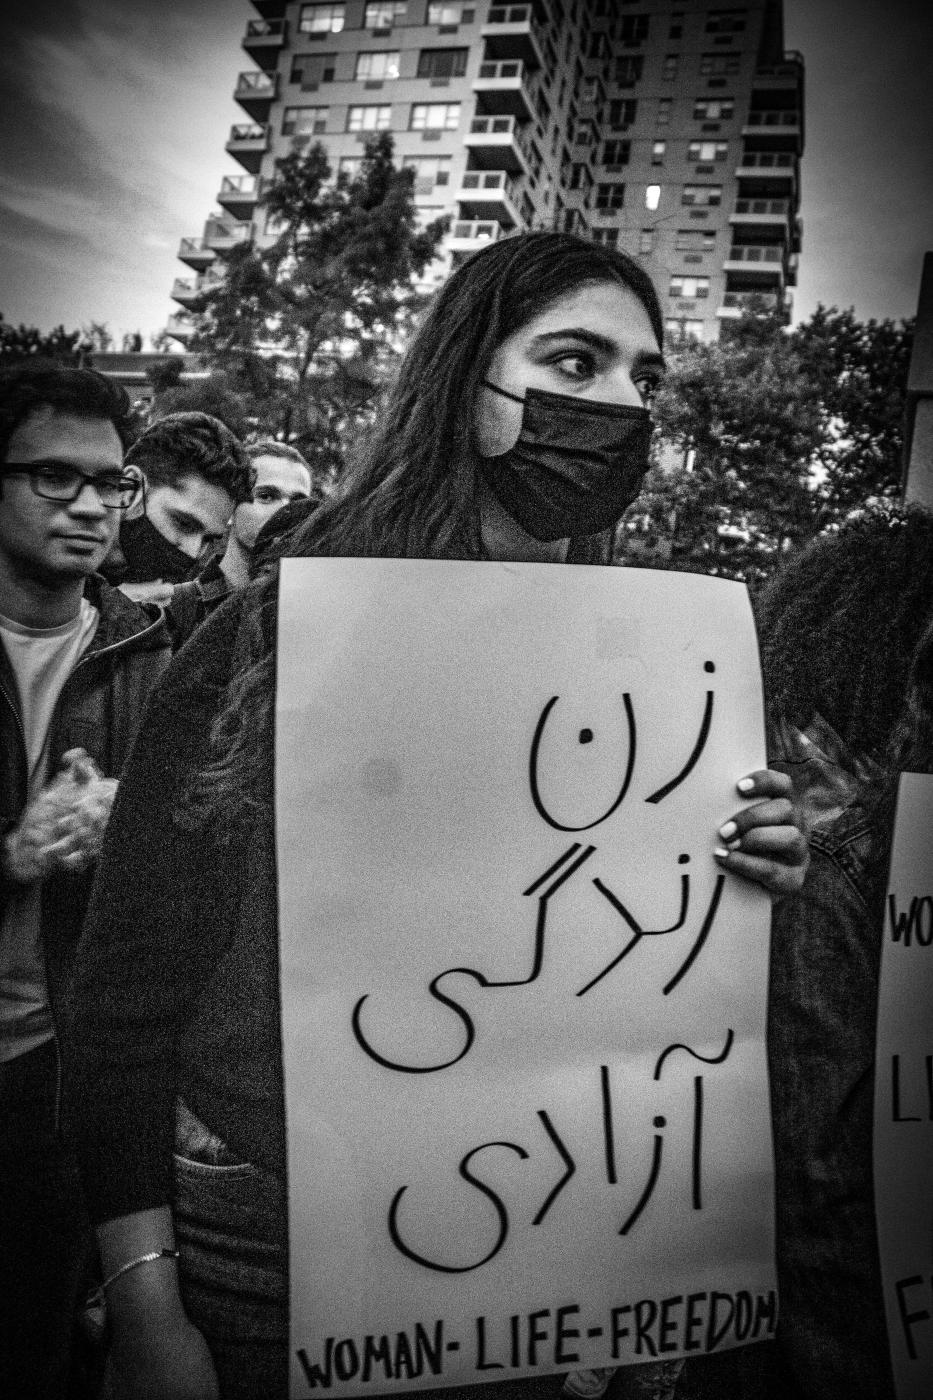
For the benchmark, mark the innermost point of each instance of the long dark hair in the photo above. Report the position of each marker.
(840, 623)
(411, 492)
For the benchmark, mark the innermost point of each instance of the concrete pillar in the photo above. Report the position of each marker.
(917, 486)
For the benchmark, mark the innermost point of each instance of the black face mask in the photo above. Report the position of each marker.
(150, 555)
(576, 465)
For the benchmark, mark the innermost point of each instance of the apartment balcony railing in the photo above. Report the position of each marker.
(264, 40)
(778, 168)
(767, 119)
(222, 235)
(195, 252)
(179, 327)
(248, 143)
(491, 193)
(764, 213)
(186, 290)
(504, 87)
(498, 143)
(735, 303)
(764, 260)
(238, 193)
(467, 235)
(782, 129)
(511, 31)
(255, 92)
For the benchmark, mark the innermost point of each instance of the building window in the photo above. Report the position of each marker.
(321, 19)
(633, 29)
(652, 196)
(629, 69)
(442, 63)
(609, 197)
(707, 151)
(646, 241)
(713, 109)
(349, 168)
(608, 237)
(664, 111)
(689, 288)
(450, 14)
(304, 121)
(669, 67)
(708, 195)
(719, 65)
(616, 153)
(435, 116)
(725, 22)
(369, 118)
(383, 16)
(377, 67)
(431, 172)
(622, 113)
(695, 240)
(657, 152)
(312, 69)
(676, 30)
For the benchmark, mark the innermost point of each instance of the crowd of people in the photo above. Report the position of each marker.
(143, 1155)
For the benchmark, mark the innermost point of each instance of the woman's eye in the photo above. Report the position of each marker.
(577, 366)
(648, 387)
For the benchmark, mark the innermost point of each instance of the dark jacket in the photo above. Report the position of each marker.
(825, 958)
(195, 600)
(99, 709)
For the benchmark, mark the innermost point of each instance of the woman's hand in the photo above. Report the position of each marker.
(764, 842)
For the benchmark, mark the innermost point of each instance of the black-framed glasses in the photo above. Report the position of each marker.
(59, 481)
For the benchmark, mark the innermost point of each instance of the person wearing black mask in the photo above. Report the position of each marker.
(178, 975)
(196, 473)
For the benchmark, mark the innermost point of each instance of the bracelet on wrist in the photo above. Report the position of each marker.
(135, 1263)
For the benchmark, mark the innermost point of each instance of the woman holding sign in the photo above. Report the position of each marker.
(518, 429)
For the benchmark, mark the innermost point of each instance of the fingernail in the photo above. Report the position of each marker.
(728, 830)
(720, 852)
(746, 785)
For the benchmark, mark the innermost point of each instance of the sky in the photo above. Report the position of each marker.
(115, 113)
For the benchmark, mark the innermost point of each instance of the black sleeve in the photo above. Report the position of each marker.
(148, 943)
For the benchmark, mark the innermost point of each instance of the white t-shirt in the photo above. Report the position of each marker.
(42, 659)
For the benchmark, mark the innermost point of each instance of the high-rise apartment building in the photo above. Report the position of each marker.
(672, 129)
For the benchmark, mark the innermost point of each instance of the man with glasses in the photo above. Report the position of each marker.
(77, 660)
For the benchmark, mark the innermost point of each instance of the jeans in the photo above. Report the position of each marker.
(231, 1227)
(45, 1234)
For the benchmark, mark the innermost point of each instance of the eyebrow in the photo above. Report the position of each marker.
(645, 359)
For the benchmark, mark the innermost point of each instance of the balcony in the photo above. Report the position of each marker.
(248, 144)
(778, 168)
(255, 92)
(735, 304)
(466, 237)
(179, 327)
(764, 261)
(187, 290)
(504, 88)
(238, 194)
(761, 213)
(487, 195)
(195, 252)
(781, 77)
(264, 40)
(224, 234)
(496, 143)
(781, 130)
(511, 31)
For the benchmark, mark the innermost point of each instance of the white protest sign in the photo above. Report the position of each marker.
(903, 1141)
(523, 1009)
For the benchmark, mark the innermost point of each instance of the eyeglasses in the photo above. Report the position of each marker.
(57, 481)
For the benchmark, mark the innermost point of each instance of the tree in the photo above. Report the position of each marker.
(307, 328)
(768, 438)
(21, 342)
